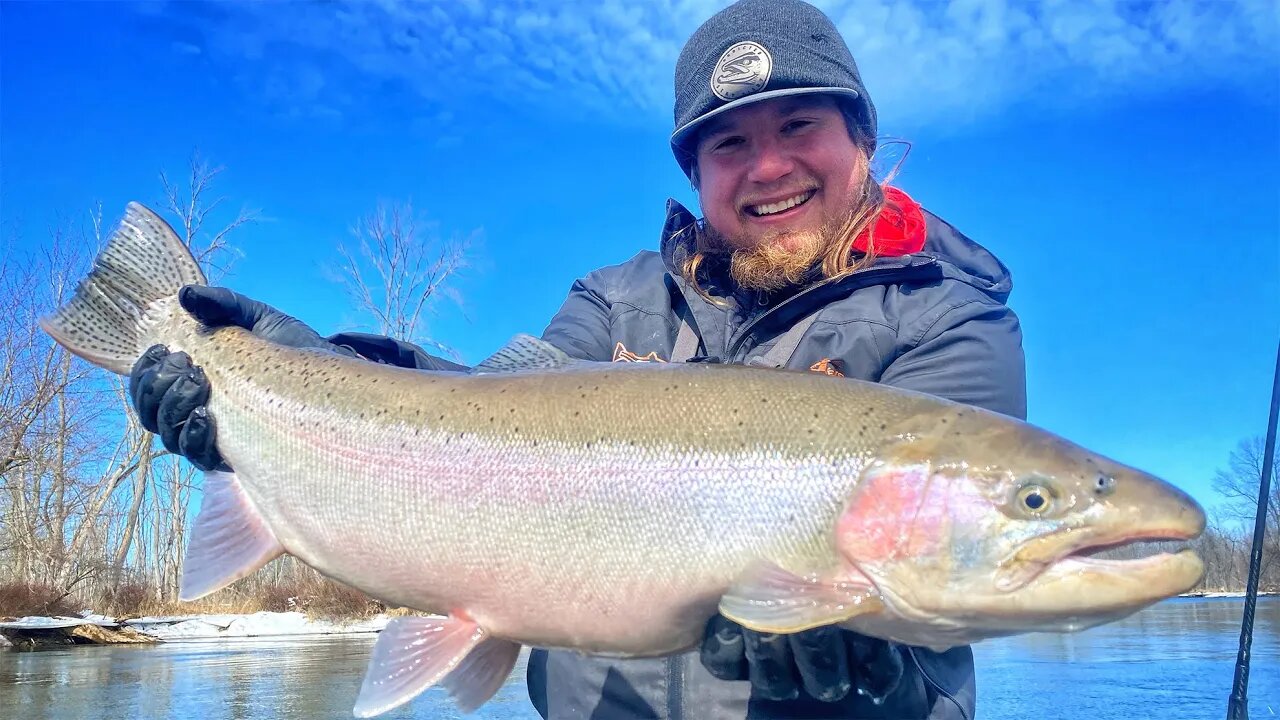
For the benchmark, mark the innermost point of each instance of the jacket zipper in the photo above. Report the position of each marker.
(675, 687)
(864, 278)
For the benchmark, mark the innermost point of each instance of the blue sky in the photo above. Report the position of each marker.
(1121, 157)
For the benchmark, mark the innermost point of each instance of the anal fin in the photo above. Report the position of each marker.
(771, 599)
(413, 654)
(229, 540)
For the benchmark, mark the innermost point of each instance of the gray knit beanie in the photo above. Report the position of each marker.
(755, 50)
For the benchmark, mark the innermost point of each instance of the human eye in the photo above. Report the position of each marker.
(796, 125)
(725, 143)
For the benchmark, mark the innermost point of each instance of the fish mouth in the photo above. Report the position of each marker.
(1085, 590)
(1094, 578)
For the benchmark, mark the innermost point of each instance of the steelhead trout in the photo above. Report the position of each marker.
(614, 508)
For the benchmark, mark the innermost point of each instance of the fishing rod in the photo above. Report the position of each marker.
(1238, 705)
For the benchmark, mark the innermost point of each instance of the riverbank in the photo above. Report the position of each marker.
(1225, 594)
(36, 632)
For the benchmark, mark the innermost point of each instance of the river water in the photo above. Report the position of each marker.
(1174, 660)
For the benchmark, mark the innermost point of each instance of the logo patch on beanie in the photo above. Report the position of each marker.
(742, 69)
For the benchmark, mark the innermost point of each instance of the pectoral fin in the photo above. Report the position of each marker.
(415, 653)
(770, 599)
(229, 540)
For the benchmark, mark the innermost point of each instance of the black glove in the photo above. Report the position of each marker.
(827, 661)
(169, 393)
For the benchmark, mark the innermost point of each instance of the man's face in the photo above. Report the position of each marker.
(779, 174)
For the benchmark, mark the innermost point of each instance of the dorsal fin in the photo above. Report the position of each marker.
(525, 352)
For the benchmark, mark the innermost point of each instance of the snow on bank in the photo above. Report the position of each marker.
(203, 627)
(259, 624)
(33, 622)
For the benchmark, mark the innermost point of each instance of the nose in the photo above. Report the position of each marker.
(769, 162)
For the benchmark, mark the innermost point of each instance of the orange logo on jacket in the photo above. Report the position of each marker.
(622, 354)
(827, 366)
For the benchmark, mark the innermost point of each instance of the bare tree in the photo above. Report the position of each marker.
(84, 490)
(52, 406)
(193, 205)
(1238, 485)
(399, 268)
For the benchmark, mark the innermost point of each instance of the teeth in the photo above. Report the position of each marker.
(775, 208)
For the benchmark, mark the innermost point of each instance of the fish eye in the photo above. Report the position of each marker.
(1035, 499)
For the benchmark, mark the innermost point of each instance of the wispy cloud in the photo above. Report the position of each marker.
(924, 62)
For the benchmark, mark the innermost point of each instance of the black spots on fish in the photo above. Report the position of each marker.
(883, 426)
(816, 416)
(441, 418)
(576, 413)
(511, 411)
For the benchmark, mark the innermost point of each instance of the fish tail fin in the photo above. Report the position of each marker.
(143, 265)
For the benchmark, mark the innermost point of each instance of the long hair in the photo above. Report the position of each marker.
(840, 258)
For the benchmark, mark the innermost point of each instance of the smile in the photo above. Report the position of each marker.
(780, 206)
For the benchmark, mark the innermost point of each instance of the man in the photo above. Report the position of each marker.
(801, 261)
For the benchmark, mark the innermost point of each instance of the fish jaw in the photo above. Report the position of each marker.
(1079, 592)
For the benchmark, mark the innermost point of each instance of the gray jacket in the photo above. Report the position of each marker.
(935, 321)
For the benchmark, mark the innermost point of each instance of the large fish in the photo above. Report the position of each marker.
(615, 508)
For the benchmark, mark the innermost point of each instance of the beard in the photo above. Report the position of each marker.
(781, 260)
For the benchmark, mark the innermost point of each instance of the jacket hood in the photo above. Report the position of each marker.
(956, 255)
